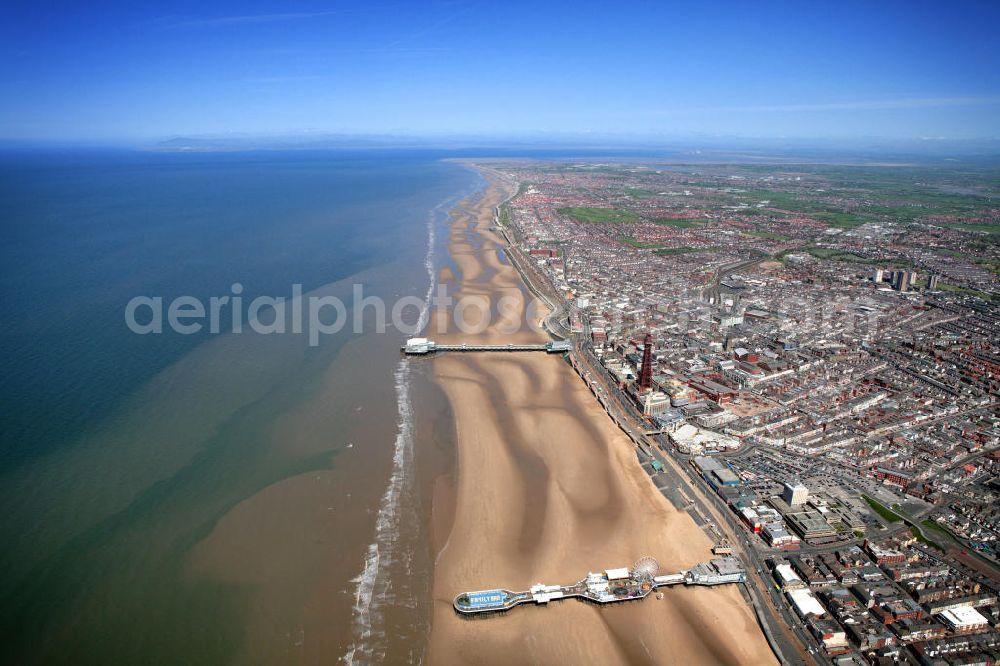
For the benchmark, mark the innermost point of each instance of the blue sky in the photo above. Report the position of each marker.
(135, 71)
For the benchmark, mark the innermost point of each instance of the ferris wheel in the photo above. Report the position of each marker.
(646, 567)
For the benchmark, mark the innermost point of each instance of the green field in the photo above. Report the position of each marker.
(927, 522)
(934, 526)
(841, 197)
(753, 212)
(598, 215)
(944, 286)
(678, 222)
(819, 210)
(670, 251)
(783, 200)
(882, 510)
(901, 202)
(924, 540)
(841, 220)
(948, 253)
(989, 265)
(639, 244)
(899, 212)
(834, 254)
(828, 253)
(959, 226)
(640, 193)
(504, 213)
(768, 235)
(504, 217)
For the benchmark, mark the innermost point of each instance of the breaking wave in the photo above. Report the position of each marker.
(374, 585)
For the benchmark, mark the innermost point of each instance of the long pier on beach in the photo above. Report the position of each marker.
(608, 586)
(420, 346)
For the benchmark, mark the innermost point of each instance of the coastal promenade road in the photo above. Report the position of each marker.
(786, 634)
(555, 322)
(542, 483)
(782, 643)
(783, 626)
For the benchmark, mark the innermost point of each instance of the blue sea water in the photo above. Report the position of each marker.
(82, 233)
(121, 453)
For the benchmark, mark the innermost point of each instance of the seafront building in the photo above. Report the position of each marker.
(816, 381)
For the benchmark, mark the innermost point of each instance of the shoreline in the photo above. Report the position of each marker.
(544, 485)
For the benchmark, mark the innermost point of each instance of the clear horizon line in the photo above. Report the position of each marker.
(531, 135)
(848, 105)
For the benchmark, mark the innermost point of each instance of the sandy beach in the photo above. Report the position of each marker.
(546, 488)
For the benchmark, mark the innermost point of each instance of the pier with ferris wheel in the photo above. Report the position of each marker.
(607, 586)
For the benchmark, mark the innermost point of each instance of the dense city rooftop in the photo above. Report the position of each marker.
(823, 353)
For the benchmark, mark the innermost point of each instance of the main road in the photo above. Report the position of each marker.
(786, 634)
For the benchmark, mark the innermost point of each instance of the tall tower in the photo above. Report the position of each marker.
(646, 374)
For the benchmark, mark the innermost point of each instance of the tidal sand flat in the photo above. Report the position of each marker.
(545, 488)
(210, 499)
